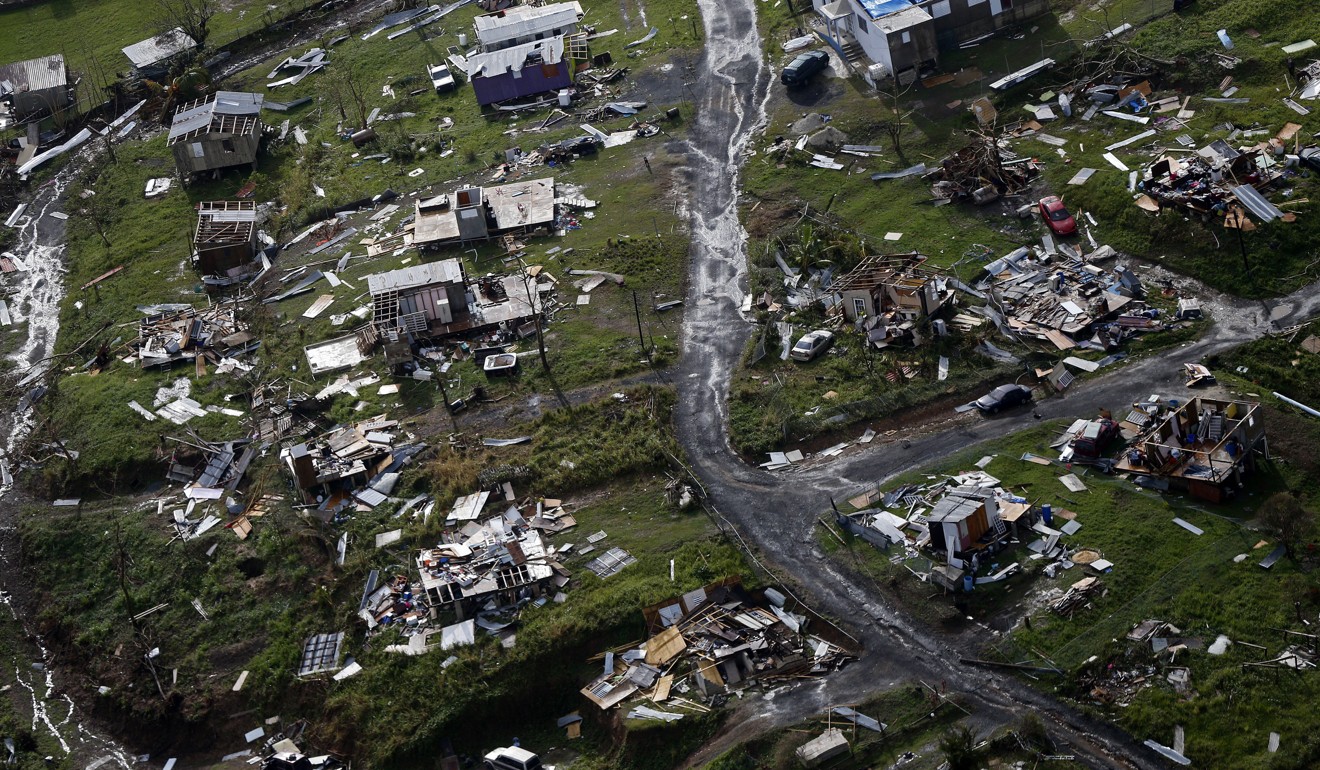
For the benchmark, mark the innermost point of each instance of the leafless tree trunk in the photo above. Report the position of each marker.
(897, 122)
(192, 16)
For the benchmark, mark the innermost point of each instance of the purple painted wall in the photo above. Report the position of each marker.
(534, 80)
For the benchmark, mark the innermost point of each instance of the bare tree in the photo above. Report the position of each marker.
(346, 88)
(192, 16)
(897, 122)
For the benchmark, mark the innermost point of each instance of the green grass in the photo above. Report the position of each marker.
(1280, 254)
(537, 681)
(266, 594)
(91, 34)
(914, 721)
(1161, 571)
(776, 403)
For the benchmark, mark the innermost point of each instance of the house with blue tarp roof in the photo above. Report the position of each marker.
(895, 37)
(906, 35)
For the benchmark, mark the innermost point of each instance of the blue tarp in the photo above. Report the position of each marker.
(880, 8)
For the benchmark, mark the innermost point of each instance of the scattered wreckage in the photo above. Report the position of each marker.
(711, 641)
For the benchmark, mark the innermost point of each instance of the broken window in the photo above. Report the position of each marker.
(197, 150)
(859, 306)
(227, 144)
(549, 70)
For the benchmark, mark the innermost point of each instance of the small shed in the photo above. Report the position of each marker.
(961, 518)
(155, 53)
(218, 131)
(34, 88)
(226, 236)
(522, 70)
(414, 299)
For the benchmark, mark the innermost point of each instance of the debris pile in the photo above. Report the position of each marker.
(981, 172)
(170, 334)
(710, 641)
(351, 465)
(1063, 297)
(1220, 176)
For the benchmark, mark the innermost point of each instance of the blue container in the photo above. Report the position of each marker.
(1046, 514)
(969, 581)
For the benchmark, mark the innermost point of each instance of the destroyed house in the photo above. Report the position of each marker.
(522, 70)
(34, 88)
(896, 287)
(499, 560)
(152, 57)
(1214, 178)
(526, 24)
(420, 299)
(184, 333)
(1069, 301)
(1205, 446)
(477, 213)
(218, 131)
(719, 636)
(964, 520)
(350, 465)
(226, 236)
(897, 35)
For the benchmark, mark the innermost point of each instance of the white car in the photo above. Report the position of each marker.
(441, 78)
(512, 758)
(812, 345)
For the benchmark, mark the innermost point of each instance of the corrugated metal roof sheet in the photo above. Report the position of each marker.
(36, 74)
(444, 271)
(159, 48)
(524, 20)
(198, 115)
(496, 63)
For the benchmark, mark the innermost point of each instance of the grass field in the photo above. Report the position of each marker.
(265, 595)
(1161, 571)
(587, 343)
(90, 33)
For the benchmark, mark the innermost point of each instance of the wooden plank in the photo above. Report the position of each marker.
(322, 302)
(662, 686)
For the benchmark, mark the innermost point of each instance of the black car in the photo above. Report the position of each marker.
(804, 68)
(1003, 397)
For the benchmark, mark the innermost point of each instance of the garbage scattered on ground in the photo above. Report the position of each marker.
(713, 641)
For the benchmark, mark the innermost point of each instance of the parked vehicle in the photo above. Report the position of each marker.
(1090, 442)
(441, 78)
(804, 68)
(1056, 216)
(811, 345)
(1003, 397)
(512, 758)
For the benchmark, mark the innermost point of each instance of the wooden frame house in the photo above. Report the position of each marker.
(218, 131)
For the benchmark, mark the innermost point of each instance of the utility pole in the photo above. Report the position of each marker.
(536, 314)
(637, 308)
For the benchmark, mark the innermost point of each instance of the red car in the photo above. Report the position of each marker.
(1057, 217)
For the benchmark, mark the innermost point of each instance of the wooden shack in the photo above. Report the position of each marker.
(218, 131)
(419, 299)
(962, 519)
(34, 88)
(226, 236)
